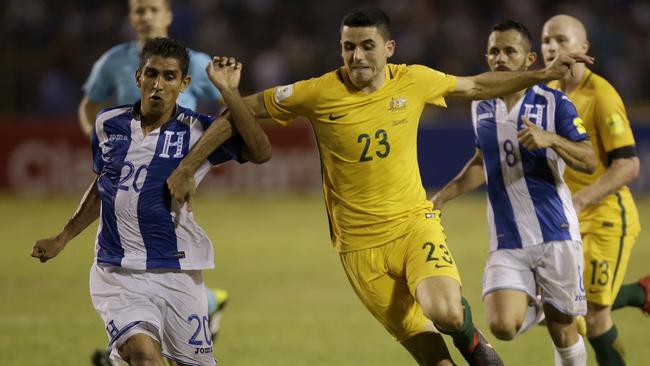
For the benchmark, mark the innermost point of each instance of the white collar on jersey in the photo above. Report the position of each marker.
(137, 114)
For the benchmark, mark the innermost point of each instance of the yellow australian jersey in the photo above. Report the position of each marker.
(368, 147)
(605, 119)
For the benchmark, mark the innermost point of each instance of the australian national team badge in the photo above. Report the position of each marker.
(398, 103)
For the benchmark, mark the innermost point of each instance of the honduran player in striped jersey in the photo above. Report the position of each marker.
(111, 81)
(524, 140)
(146, 282)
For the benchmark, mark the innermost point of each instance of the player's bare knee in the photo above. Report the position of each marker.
(504, 329)
(141, 350)
(449, 317)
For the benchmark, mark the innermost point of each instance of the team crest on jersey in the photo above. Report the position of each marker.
(175, 145)
(397, 104)
(283, 92)
(534, 113)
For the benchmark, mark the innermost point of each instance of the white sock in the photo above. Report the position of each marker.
(534, 315)
(575, 355)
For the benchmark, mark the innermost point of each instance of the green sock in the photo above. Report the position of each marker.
(630, 295)
(464, 336)
(608, 352)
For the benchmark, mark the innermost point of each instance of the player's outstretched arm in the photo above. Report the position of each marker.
(495, 84)
(577, 155)
(87, 212)
(619, 173)
(470, 178)
(181, 183)
(225, 73)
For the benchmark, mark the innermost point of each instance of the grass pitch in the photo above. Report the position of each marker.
(290, 301)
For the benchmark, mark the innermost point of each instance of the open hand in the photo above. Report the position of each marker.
(563, 62)
(533, 137)
(224, 72)
(46, 249)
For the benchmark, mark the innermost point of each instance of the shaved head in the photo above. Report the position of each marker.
(563, 34)
(569, 24)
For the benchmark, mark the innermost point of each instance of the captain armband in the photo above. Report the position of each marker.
(621, 153)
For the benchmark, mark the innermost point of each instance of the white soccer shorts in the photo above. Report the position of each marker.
(554, 267)
(167, 305)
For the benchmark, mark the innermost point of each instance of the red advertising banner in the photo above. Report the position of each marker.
(54, 157)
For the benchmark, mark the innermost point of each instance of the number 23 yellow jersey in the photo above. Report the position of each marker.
(368, 147)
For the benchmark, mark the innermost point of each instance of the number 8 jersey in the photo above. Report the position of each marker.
(528, 200)
(141, 226)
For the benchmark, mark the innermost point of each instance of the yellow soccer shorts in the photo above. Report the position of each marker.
(385, 277)
(606, 258)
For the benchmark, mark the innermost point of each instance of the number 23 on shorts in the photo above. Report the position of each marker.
(438, 254)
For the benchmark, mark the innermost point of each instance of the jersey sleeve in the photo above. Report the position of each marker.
(285, 103)
(99, 85)
(611, 120)
(98, 162)
(201, 86)
(232, 149)
(433, 85)
(568, 123)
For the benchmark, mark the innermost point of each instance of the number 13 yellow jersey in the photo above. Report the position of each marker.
(608, 127)
(368, 147)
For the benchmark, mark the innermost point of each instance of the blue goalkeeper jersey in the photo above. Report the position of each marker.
(113, 75)
(528, 201)
(141, 226)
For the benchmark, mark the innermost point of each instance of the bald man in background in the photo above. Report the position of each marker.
(609, 221)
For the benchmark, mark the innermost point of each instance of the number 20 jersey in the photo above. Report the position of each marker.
(528, 200)
(141, 226)
(368, 147)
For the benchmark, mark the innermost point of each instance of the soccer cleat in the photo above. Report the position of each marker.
(482, 354)
(102, 357)
(221, 296)
(645, 283)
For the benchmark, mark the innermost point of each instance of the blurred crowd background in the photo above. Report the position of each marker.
(47, 48)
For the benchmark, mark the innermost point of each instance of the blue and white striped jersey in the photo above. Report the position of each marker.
(528, 201)
(113, 75)
(141, 226)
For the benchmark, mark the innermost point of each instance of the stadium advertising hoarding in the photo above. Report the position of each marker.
(53, 157)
